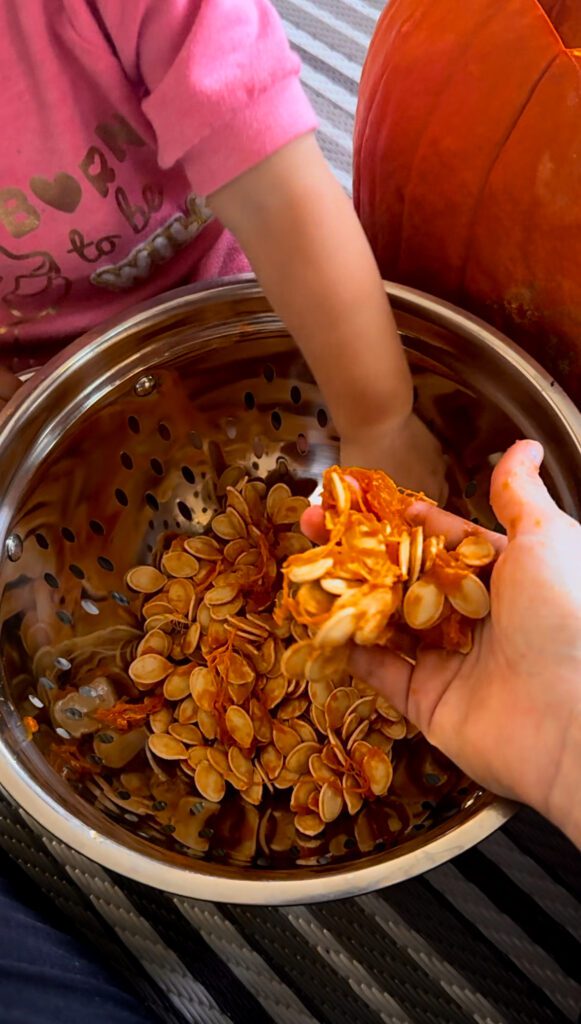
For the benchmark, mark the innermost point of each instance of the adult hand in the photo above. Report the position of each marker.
(508, 713)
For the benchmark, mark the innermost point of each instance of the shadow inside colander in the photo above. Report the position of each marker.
(129, 472)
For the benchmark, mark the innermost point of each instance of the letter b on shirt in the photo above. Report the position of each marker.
(18, 216)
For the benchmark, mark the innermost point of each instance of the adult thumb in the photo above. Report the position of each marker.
(518, 496)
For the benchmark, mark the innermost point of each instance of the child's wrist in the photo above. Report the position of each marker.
(365, 428)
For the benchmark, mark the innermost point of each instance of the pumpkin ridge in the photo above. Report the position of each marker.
(369, 126)
(555, 16)
(497, 156)
(409, 199)
(388, 12)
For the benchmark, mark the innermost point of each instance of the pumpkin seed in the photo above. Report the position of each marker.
(311, 824)
(145, 579)
(239, 725)
(310, 571)
(298, 759)
(167, 747)
(330, 802)
(187, 734)
(179, 563)
(476, 551)
(423, 604)
(470, 598)
(149, 669)
(209, 782)
(205, 548)
(240, 764)
(338, 629)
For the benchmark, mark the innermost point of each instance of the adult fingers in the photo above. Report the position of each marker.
(519, 498)
(385, 671)
(453, 528)
(434, 520)
(415, 691)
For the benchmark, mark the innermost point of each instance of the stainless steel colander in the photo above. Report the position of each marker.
(122, 437)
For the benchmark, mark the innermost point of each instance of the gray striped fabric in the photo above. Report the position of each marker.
(494, 938)
(331, 38)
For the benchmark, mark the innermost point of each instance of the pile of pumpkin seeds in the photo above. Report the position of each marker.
(240, 686)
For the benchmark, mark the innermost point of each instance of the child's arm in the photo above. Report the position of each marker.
(301, 234)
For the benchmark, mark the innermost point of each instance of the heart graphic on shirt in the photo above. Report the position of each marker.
(62, 193)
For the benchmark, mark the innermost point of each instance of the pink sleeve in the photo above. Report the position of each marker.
(220, 83)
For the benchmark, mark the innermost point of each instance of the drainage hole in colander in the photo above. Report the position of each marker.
(134, 425)
(196, 440)
(276, 419)
(51, 580)
(151, 501)
(470, 489)
(126, 460)
(188, 475)
(41, 541)
(185, 511)
(96, 527)
(164, 431)
(258, 447)
(296, 394)
(322, 418)
(165, 524)
(121, 497)
(268, 373)
(302, 444)
(89, 606)
(64, 617)
(157, 467)
(249, 400)
(120, 599)
(231, 428)
(68, 535)
(76, 571)
(105, 563)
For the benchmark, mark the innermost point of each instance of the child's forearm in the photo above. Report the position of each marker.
(308, 250)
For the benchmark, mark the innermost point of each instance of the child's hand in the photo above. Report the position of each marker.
(408, 452)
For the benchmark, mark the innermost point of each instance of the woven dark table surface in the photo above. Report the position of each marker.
(494, 936)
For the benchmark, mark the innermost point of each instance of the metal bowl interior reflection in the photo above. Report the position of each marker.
(121, 438)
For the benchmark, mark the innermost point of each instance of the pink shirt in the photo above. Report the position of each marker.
(117, 118)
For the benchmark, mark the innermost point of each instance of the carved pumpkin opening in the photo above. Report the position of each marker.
(564, 16)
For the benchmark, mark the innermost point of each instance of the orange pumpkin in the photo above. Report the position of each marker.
(468, 163)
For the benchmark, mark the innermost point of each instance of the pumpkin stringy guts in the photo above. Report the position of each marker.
(237, 682)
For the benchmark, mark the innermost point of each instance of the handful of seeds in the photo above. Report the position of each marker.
(378, 580)
(239, 684)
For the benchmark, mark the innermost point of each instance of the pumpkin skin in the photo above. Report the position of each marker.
(467, 163)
